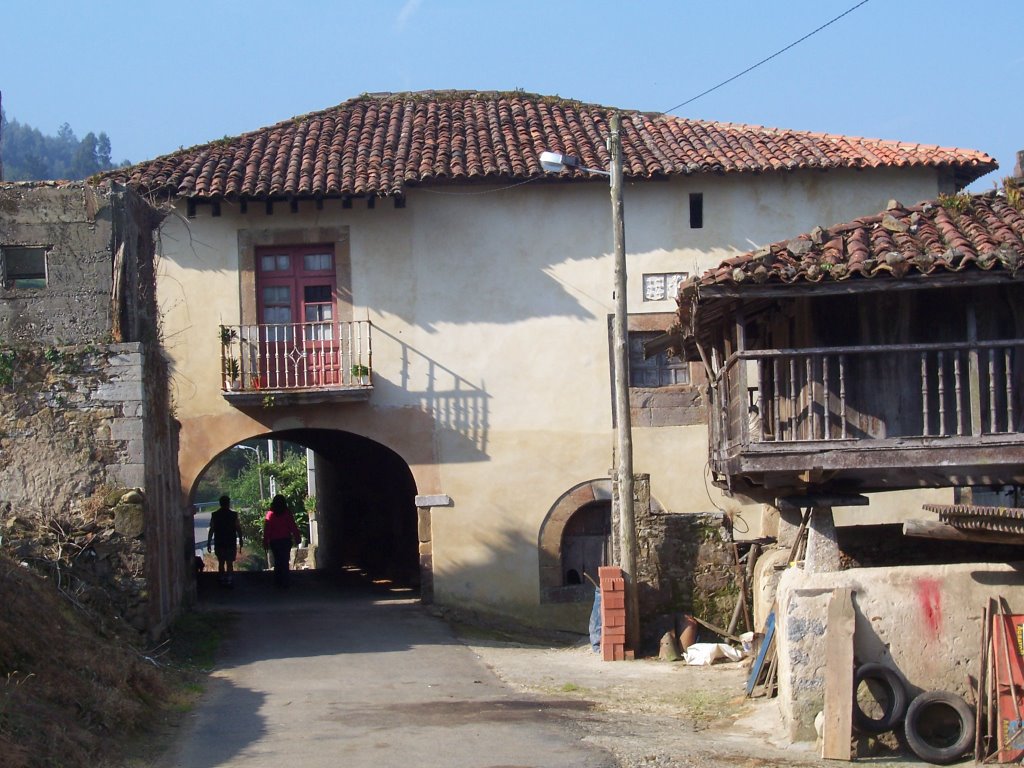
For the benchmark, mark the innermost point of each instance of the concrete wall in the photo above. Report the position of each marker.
(490, 347)
(84, 402)
(923, 621)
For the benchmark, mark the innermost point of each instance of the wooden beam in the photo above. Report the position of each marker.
(190, 208)
(346, 202)
(399, 201)
(747, 291)
(936, 529)
(243, 206)
(269, 209)
(371, 202)
(838, 726)
(216, 208)
(973, 371)
(293, 204)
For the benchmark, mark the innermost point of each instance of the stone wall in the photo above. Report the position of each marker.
(685, 565)
(85, 411)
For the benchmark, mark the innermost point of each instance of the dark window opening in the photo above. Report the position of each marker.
(23, 267)
(696, 210)
(586, 541)
(658, 371)
(998, 496)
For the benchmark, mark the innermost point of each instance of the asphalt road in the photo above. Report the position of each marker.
(328, 675)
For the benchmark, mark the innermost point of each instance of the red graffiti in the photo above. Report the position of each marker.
(930, 598)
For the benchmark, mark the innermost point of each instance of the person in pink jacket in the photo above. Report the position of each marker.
(279, 531)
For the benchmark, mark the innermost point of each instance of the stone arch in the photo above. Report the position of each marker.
(549, 542)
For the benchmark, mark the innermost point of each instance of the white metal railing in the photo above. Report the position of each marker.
(965, 389)
(295, 356)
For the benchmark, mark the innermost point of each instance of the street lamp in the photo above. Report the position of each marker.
(259, 465)
(554, 162)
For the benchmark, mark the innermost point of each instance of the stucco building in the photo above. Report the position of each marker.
(397, 285)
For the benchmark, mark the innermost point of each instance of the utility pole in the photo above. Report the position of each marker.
(623, 422)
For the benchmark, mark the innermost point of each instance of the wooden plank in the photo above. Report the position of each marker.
(981, 686)
(838, 727)
(766, 642)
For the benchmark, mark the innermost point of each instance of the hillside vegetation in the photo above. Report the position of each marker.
(30, 155)
(71, 694)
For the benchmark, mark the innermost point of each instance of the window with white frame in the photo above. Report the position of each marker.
(23, 266)
(659, 286)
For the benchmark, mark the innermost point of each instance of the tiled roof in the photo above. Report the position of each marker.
(379, 144)
(950, 234)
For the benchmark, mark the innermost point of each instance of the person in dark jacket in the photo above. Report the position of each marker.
(225, 527)
(279, 531)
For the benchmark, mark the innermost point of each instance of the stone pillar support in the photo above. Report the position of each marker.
(424, 511)
(822, 546)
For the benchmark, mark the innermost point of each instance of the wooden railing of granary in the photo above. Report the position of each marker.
(835, 394)
(296, 356)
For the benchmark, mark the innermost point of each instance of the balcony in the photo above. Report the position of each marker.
(870, 417)
(295, 363)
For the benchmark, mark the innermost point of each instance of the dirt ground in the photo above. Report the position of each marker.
(652, 713)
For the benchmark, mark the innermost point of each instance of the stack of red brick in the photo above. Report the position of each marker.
(613, 614)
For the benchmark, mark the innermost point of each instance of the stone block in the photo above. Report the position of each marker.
(423, 523)
(127, 475)
(119, 391)
(126, 429)
(129, 520)
(437, 500)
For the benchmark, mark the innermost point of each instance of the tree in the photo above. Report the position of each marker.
(29, 155)
(290, 477)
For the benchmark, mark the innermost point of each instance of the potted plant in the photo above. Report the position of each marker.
(232, 373)
(227, 335)
(360, 372)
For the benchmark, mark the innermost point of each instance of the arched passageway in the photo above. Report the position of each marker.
(366, 515)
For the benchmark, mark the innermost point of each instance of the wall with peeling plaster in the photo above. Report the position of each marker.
(85, 409)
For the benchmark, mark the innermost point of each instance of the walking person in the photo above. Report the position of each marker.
(225, 527)
(279, 531)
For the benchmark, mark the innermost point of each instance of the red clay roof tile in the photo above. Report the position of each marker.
(945, 235)
(379, 144)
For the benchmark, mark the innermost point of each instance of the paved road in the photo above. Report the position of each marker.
(326, 675)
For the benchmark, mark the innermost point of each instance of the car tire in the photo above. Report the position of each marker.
(939, 727)
(895, 695)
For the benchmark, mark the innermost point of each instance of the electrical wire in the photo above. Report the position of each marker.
(763, 61)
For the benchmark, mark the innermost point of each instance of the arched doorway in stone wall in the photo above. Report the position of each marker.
(574, 541)
(365, 517)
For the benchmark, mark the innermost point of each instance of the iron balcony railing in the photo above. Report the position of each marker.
(965, 389)
(296, 356)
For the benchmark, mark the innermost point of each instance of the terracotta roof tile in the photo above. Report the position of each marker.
(935, 237)
(380, 143)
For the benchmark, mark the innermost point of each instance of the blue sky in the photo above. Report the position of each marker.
(158, 76)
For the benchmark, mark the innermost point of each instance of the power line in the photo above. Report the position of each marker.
(762, 61)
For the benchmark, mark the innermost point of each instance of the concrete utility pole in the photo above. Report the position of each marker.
(623, 422)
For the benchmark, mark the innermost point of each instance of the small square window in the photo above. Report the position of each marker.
(23, 266)
(658, 371)
(662, 285)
